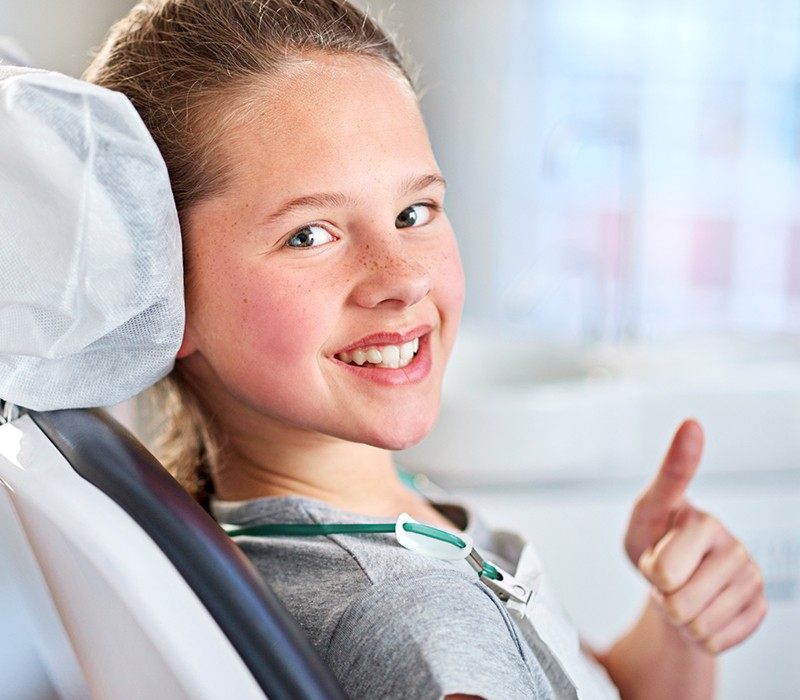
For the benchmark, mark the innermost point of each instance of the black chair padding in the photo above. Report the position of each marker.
(269, 641)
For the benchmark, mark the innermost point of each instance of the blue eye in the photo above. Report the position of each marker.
(415, 215)
(309, 237)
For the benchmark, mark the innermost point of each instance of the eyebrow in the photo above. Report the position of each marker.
(320, 199)
(421, 182)
(338, 199)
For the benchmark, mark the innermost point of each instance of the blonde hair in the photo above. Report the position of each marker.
(189, 66)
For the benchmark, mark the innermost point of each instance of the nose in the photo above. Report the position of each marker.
(391, 277)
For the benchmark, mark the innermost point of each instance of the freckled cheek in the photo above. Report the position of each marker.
(284, 322)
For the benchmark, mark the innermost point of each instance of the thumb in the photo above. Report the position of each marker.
(655, 509)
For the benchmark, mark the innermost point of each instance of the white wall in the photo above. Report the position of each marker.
(60, 34)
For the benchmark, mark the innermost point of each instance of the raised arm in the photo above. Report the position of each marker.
(707, 593)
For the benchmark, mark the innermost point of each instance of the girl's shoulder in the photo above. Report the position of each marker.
(364, 599)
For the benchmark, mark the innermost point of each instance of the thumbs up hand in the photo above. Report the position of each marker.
(703, 579)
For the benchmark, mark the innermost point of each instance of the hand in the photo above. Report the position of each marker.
(703, 578)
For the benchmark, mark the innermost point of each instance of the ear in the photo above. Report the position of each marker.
(188, 346)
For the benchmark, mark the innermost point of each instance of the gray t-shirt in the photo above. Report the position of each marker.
(391, 623)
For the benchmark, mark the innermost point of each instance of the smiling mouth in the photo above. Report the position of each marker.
(386, 356)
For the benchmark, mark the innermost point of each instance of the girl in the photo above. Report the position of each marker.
(323, 291)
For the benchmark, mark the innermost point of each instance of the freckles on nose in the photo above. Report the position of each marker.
(397, 263)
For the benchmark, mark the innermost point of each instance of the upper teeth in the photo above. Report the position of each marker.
(389, 356)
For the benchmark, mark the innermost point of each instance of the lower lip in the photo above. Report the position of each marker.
(415, 371)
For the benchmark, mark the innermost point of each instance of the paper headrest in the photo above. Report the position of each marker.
(91, 278)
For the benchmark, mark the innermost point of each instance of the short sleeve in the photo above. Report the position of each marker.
(429, 635)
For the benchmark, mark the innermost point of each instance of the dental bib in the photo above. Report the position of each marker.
(91, 299)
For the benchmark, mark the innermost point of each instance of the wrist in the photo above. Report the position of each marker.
(654, 660)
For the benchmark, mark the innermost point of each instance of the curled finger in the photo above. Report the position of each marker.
(732, 611)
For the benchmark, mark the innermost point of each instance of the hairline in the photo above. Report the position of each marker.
(238, 103)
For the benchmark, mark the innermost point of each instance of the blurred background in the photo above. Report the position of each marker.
(623, 179)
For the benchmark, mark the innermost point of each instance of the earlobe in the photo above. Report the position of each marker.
(187, 344)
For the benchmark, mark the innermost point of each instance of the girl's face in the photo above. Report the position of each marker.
(324, 286)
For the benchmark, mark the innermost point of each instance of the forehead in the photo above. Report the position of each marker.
(324, 106)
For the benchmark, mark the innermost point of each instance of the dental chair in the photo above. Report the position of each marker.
(128, 587)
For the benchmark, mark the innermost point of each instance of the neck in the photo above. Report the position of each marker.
(354, 477)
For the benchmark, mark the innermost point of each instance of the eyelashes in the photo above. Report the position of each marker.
(317, 234)
(310, 236)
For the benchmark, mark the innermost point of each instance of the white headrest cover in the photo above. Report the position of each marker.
(91, 290)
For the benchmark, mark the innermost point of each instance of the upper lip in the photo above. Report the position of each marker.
(385, 338)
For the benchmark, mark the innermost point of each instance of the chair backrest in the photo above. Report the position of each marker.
(132, 580)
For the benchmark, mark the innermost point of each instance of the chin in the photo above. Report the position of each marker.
(395, 428)
(401, 437)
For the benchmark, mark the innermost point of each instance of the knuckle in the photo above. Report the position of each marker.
(698, 630)
(760, 609)
(695, 516)
(758, 575)
(703, 517)
(661, 574)
(675, 610)
(714, 528)
(739, 552)
(754, 577)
